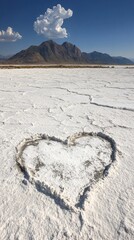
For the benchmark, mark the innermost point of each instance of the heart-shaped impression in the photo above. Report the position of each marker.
(66, 170)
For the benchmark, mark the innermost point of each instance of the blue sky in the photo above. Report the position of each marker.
(105, 26)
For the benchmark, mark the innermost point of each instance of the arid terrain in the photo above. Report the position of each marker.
(67, 147)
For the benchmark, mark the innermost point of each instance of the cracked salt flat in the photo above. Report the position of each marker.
(59, 102)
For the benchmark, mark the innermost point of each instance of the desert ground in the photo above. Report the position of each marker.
(67, 154)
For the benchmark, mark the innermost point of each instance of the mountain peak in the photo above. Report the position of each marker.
(67, 44)
(49, 42)
(50, 52)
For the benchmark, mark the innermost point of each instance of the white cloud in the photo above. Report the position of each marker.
(50, 24)
(9, 35)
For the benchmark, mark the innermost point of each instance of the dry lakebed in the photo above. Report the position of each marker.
(67, 154)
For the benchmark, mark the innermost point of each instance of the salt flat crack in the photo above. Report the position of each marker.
(120, 88)
(94, 103)
(10, 91)
(112, 107)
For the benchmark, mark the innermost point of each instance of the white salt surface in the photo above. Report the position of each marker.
(61, 102)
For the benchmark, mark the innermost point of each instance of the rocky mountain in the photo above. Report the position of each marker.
(103, 58)
(97, 58)
(50, 52)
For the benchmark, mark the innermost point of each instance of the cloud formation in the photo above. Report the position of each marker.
(9, 35)
(50, 24)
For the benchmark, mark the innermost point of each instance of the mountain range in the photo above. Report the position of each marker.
(50, 52)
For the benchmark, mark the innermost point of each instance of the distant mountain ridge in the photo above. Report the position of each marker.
(132, 59)
(4, 57)
(50, 52)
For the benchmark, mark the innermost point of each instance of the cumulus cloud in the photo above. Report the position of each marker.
(50, 24)
(9, 35)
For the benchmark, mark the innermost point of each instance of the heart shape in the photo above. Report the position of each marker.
(66, 170)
